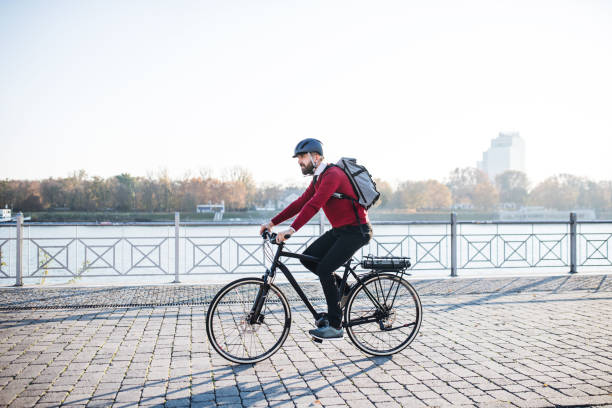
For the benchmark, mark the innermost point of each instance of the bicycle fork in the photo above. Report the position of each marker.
(255, 316)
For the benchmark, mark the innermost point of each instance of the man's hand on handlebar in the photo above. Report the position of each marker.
(276, 238)
(283, 236)
(265, 227)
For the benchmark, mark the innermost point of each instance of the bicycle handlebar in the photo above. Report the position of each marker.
(271, 236)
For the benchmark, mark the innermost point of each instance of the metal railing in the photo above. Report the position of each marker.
(188, 249)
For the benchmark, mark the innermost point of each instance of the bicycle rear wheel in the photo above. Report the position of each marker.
(388, 325)
(231, 328)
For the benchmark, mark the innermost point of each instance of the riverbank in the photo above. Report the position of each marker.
(249, 216)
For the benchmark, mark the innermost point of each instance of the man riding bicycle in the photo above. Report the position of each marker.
(350, 231)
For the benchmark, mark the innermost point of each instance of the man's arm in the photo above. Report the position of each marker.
(330, 182)
(294, 207)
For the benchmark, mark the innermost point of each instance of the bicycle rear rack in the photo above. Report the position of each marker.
(387, 263)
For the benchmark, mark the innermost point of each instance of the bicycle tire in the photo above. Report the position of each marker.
(229, 331)
(403, 319)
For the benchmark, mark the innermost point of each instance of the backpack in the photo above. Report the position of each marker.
(361, 180)
(363, 186)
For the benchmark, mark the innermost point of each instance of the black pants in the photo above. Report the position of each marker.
(334, 248)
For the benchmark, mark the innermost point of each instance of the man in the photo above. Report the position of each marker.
(350, 227)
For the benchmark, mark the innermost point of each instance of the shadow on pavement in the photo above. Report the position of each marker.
(514, 291)
(273, 391)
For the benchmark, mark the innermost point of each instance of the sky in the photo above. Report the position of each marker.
(413, 89)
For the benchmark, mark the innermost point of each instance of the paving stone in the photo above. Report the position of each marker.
(457, 399)
(21, 402)
(591, 400)
(437, 402)
(231, 401)
(473, 349)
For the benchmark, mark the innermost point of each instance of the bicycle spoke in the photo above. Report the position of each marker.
(394, 326)
(230, 329)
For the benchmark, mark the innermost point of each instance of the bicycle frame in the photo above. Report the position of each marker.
(370, 303)
(277, 264)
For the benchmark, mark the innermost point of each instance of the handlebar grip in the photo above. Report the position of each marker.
(266, 235)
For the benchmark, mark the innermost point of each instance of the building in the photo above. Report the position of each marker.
(217, 209)
(507, 152)
(210, 208)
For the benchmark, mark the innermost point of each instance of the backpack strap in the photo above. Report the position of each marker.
(353, 201)
(315, 178)
(339, 195)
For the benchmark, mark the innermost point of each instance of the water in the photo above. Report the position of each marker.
(77, 254)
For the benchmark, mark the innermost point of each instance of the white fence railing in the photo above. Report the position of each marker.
(179, 250)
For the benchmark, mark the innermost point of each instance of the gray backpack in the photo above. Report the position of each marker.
(360, 178)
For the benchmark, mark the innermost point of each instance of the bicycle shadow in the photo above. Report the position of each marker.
(274, 389)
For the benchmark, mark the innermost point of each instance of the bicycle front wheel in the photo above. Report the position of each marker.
(238, 335)
(384, 315)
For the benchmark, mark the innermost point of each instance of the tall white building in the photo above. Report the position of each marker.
(507, 152)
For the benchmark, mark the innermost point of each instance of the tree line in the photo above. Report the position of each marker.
(467, 188)
(472, 189)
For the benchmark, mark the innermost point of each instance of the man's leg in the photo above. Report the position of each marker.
(345, 246)
(318, 249)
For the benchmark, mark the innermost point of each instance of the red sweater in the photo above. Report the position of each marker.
(339, 211)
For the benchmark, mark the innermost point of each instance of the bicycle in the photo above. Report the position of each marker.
(249, 319)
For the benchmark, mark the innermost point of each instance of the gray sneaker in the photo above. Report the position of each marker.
(327, 333)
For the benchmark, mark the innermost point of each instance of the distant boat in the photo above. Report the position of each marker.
(14, 219)
(7, 217)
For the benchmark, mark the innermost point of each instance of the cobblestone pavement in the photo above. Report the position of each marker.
(531, 349)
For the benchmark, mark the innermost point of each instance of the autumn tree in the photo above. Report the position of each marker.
(239, 189)
(549, 194)
(125, 193)
(472, 186)
(513, 187)
(386, 194)
(268, 193)
(603, 199)
(430, 194)
(53, 193)
(567, 192)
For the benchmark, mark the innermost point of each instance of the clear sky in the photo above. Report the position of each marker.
(411, 88)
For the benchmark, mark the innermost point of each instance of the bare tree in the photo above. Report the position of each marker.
(472, 186)
(513, 187)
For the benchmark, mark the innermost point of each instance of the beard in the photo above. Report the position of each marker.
(308, 169)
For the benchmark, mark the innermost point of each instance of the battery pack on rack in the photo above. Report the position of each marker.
(393, 263)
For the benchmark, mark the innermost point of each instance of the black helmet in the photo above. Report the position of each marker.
(307, 146)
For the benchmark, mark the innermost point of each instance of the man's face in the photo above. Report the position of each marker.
(305, 163)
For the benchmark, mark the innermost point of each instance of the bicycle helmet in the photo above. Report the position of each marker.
(307, 146)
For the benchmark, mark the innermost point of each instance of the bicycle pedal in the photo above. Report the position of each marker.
(317, 340)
